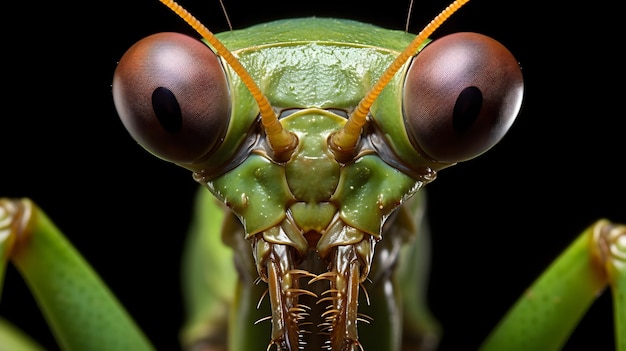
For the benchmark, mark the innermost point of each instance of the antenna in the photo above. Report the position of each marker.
(408, 16)
(281, 141)
(344, 141)
(230, 26)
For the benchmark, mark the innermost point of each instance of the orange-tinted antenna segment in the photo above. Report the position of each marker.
(345, 140)
(280, 140)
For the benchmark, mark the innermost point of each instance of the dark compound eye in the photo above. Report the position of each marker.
(167, 109)
(171, 93)
(461, 95)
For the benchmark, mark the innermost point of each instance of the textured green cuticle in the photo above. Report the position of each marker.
(256, 191)
(369, 190)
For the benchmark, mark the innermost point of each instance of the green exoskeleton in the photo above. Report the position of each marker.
(315, 137)
(313, 147)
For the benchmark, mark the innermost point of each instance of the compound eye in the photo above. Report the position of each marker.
(172, 96)
(461, 94)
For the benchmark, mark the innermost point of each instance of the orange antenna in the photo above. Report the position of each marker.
(344, 141)
(280, 140)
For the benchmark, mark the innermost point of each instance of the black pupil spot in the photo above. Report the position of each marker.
(166, 109)
(467, 108)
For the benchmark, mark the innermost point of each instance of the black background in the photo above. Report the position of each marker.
(497, 221)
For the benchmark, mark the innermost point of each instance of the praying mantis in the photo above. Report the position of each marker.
(478, 177)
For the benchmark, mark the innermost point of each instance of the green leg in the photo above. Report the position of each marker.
(209, 277)
(13, 339)
(614, 258)
(419, 326)
(220, 302)
(82, 313)
(384, 307)
(544, 317)
(244, 332)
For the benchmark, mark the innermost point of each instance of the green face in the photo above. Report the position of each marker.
(313, 213)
